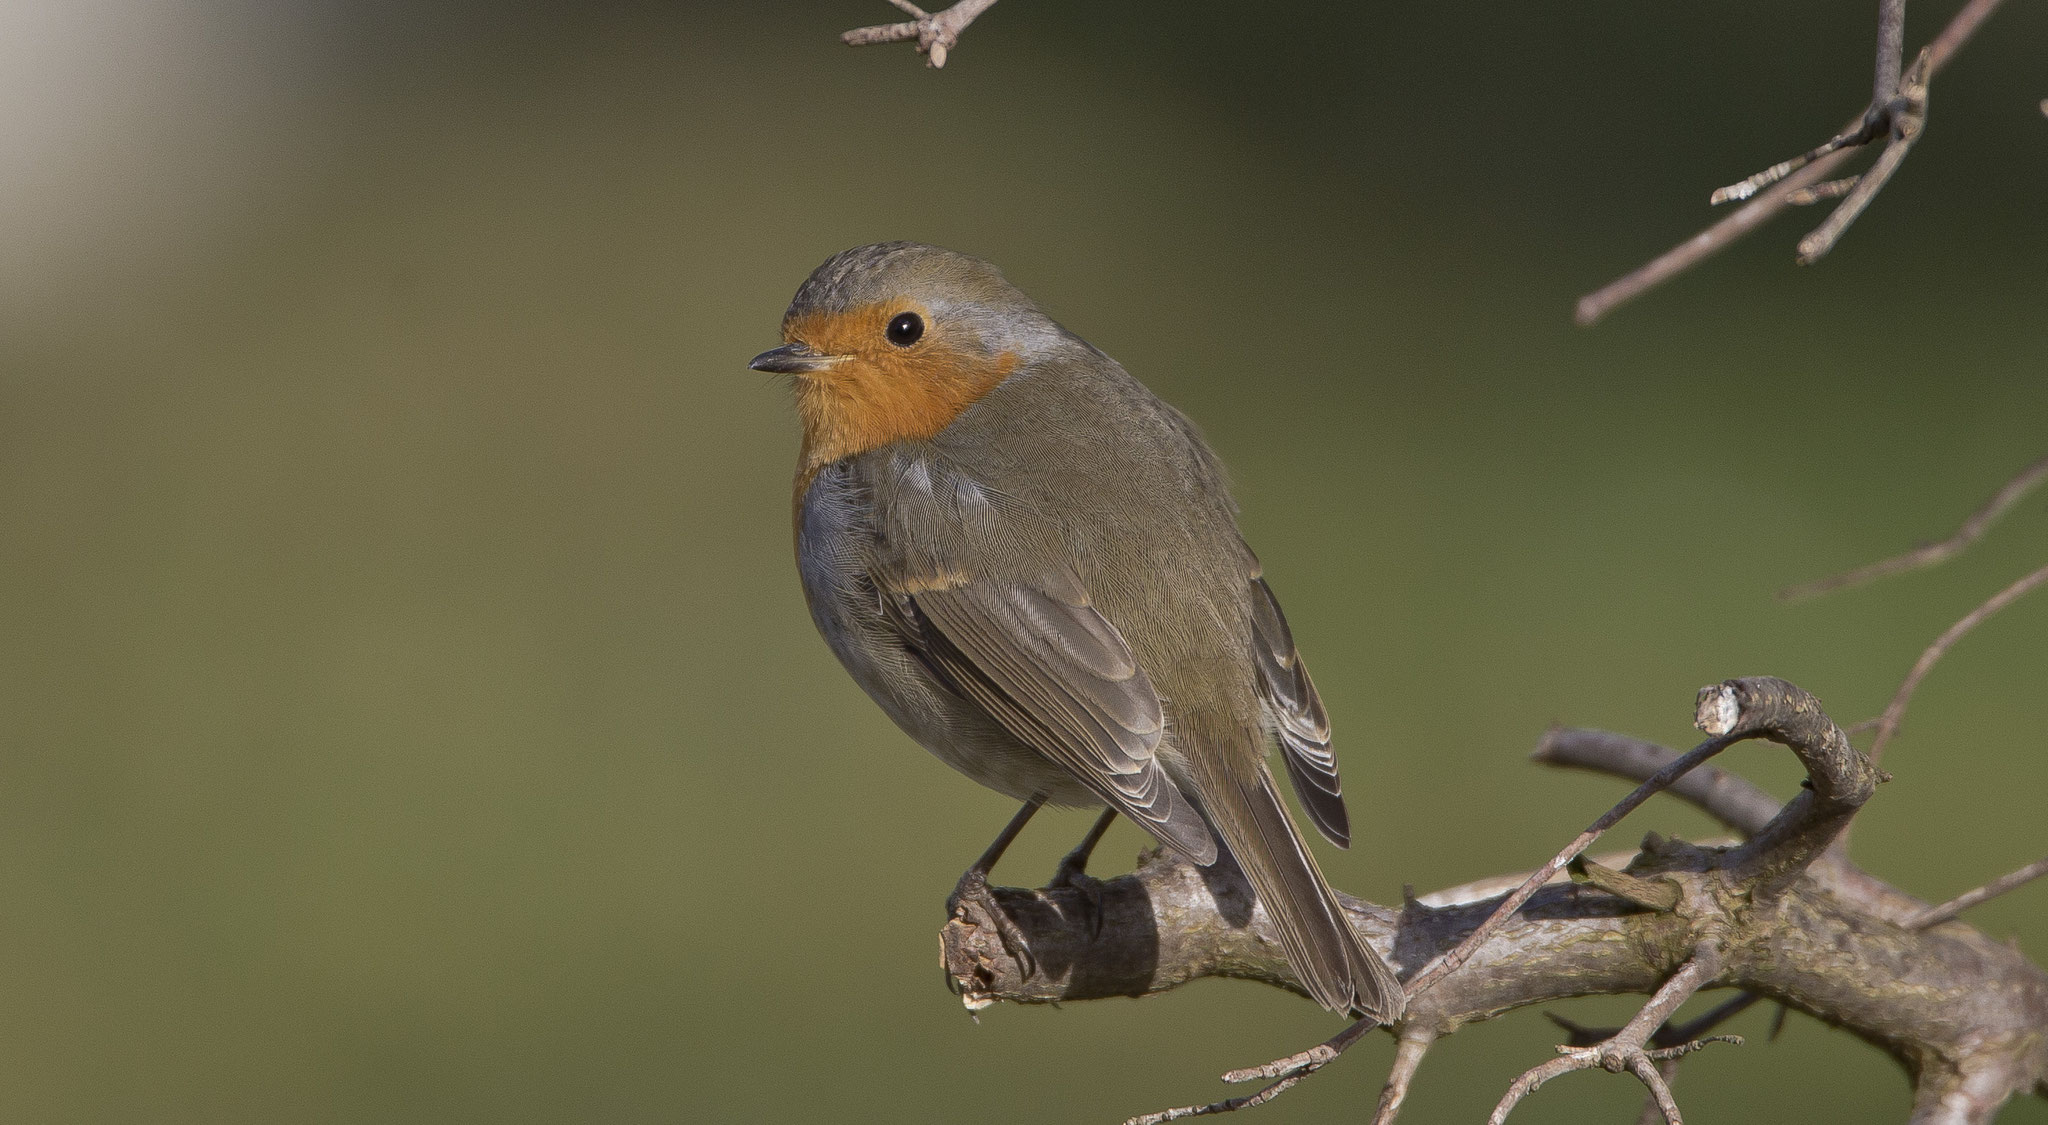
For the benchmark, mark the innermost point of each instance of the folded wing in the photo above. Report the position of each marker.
(1055, 673)
(1304, 727)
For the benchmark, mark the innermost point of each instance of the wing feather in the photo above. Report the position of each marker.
(1055, 673)
(1303, 725)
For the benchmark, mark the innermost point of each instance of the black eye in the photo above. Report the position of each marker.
(906, 329)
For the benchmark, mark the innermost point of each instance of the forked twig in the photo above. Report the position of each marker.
(1931, 554)
(1686, 1037)
(1886, 90)
(1627, 1048)
(935, 32)
(1785, 183)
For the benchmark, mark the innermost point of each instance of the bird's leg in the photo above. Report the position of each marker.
(1073, 871)
(1074, 866)
(973, 887)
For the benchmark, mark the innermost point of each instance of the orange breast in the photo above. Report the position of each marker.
(879, 393)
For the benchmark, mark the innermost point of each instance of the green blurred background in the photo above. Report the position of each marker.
(410, 713)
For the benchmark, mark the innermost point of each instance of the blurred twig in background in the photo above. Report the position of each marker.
(935, 32)
(1898, 109)
(1931, 554)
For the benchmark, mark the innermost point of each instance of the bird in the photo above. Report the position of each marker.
(1032, 564)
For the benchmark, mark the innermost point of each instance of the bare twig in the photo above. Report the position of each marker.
(935, 32)
(1676, 1041)
(1935, 915)
(1705, 244)
(1286, 1071)
(1626, 1049)
(1450, 962)
(1730, 799)
(1821, 192)
(1408, 1051)
(1777, 186)
(1891, 46)
(1227, 1105)
(1304, 1062)
(1895, 711)
(1932, 554)
(1653, 1105)
(1667, 1035)
(1908, 114)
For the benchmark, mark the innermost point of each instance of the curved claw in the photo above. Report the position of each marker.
(973, 888)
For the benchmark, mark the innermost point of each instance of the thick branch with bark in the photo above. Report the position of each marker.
(1777, 916)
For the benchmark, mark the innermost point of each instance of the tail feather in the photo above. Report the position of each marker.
(1337, 968)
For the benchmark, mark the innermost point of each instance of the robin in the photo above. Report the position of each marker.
(1032, 564)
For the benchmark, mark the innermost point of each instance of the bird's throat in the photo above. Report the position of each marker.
(866, 402)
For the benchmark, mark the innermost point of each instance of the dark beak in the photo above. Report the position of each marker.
(793, 359)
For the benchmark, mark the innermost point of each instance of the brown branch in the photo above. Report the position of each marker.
(1947, 1001)
(1494, 886)
(1682, 1039)
(936, 33)
(1935, 915)
(1967, 1016)
(1775, 187)
(1761, 707)
(1626, 1050)
(1838, 779)
(1409, 1047)
(1457, 957)
(1895, 711)
(1932, 554)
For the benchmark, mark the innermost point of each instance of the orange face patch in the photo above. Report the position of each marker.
(877, 392)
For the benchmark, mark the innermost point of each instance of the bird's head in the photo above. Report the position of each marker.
(892, 341)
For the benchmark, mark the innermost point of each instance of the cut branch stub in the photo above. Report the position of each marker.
(1839, 778)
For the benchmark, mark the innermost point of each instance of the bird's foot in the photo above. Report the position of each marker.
(971, 897)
